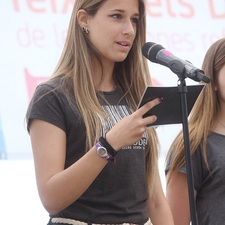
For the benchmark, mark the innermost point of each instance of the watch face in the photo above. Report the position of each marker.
(102, 152)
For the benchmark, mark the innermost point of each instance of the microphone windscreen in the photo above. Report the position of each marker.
(150, 50)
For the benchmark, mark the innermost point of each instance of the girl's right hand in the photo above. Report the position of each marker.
(131, 128)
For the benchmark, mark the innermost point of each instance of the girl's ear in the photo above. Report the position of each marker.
(82, 18)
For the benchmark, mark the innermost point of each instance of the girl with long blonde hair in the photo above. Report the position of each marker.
(207, 145)
(95, 159)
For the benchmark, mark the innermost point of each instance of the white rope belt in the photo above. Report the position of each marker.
(76, 222)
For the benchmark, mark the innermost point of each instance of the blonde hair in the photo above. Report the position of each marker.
(204, 112)
(76, 63)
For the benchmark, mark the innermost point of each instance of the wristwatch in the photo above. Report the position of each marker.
(102, 152)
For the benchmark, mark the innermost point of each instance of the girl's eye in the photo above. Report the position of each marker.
(117, 16)
(135, 20)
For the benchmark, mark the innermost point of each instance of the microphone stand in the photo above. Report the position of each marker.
(179, 69)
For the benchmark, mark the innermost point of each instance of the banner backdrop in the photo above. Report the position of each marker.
(32, 36)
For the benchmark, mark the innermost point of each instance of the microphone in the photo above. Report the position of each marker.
(156, 53)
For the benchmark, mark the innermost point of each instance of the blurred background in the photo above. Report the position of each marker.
(32, 36)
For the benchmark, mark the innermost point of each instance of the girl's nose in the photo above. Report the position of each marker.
(129, 29)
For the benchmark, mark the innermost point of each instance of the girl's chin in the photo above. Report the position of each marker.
(121, 59)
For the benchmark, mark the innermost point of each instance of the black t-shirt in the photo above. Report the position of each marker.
(209, 181)
(119, 193)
